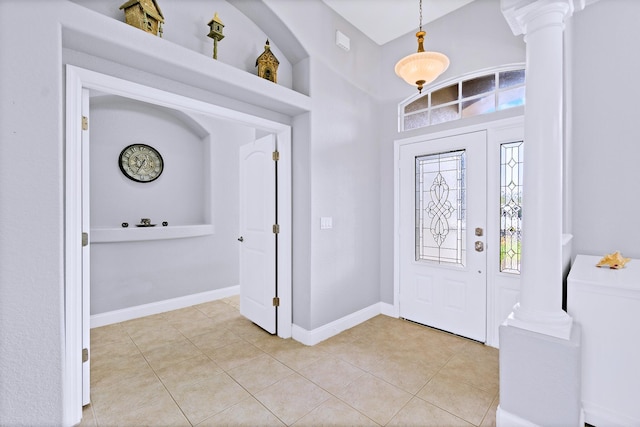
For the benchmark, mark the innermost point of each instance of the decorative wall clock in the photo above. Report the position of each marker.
(141, 163)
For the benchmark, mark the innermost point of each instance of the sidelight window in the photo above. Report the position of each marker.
(511, 158)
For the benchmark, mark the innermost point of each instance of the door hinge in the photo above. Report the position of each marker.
(276, 302)
(276, 156)
(276, 228)
(85, 239)
(85, 355)
(85, 123)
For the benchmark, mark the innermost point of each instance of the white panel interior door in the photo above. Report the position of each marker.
(442, 190)
(258, 214)
(86, 286)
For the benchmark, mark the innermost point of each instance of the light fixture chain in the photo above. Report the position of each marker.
(420, 15)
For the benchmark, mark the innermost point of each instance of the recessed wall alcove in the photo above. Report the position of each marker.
(197, 195)
(181, 196)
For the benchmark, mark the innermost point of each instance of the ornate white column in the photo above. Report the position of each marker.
(540, 306)
(540, 346)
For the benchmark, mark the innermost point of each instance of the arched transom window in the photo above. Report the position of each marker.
(472, 95)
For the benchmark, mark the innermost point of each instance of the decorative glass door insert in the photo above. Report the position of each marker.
(511, 157)
(441, 208)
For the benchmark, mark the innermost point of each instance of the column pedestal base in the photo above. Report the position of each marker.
(556, 324)
(540, 379)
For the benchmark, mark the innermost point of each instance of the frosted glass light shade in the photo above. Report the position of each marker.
(421, 68)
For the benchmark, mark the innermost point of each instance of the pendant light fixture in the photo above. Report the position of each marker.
(421, 68)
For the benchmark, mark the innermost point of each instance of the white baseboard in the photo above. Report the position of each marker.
(388, 310)
(599, 416)
(129, 313)
(334, 328)
(507, 419)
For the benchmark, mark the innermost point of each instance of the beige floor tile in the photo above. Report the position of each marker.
(88, 417)
(334, 413)
(234, 355)
(209, 360)
(246, 329)
(118, 370)
(187, 313)
(233, 301)
(248, 413)
(270, 343)
(478, 370)
(338, 342)
(138, 326)
(374, 397)
(406, 373)
(331, 373)
(262, 372)
(219, 311)
(175, 352)
(159, 412)
(461, 399)
(106, 351)
(108, 334)
(424, 414)
(490, 417)
(215, 339)
(149, 339)
(134, 392)
(187, 371)
(362, 354)
(192, 328)
(206, 398)
(292, 398)
(294, 354)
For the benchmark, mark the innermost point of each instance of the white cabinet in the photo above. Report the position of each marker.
(607, 304)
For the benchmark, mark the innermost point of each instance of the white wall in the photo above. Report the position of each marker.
(605, 132)
(198, 186)
(335, 172)
(31, 204)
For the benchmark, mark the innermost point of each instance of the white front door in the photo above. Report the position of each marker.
(86, 286)
(442, 227)
(258, 241)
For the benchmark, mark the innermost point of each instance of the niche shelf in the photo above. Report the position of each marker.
(136, 234)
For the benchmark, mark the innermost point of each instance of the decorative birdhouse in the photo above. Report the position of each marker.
(144, 14)
(267, 64)
(215, 32)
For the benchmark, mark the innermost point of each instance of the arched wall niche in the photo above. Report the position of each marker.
(182, 193)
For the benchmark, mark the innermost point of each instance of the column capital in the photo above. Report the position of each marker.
(520, 13)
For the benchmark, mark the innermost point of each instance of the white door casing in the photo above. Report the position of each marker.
(78, 79)
(258, 215)
(86, 251)
(446, 296)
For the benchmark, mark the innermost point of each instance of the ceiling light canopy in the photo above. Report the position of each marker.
(421, 68)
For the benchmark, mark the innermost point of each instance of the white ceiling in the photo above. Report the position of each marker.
(386, 20)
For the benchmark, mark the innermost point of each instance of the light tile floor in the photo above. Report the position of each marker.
(208, 366)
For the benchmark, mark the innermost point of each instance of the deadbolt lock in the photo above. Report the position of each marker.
(479, 231)
(479, 246)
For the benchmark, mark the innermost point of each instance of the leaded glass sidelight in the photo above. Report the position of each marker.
(511, 156)
(441, 208)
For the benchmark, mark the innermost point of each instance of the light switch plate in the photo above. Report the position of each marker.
(326, 222)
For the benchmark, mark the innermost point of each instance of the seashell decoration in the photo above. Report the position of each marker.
(614, 260)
